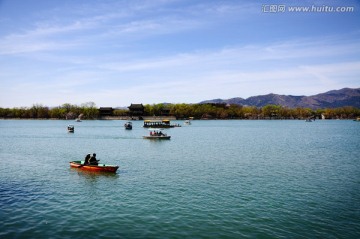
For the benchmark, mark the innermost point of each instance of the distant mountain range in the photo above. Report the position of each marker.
(330, 99)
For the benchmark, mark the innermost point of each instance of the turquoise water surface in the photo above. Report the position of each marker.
(213, 179)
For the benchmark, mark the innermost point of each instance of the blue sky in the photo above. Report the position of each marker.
(115, 53)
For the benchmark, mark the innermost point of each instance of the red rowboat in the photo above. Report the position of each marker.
(99, 168)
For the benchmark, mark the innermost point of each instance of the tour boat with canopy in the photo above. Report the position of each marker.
(159, 124)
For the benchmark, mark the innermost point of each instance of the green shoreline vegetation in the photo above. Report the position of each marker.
(182, 111)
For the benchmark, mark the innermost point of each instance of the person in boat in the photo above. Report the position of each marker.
(93, 160)
(87, 159)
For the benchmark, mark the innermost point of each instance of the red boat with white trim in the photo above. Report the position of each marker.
(99, 168)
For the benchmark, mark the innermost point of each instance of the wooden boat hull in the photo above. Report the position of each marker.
(156, 137)
(97, 168)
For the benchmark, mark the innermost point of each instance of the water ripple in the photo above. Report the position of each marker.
(215, 179)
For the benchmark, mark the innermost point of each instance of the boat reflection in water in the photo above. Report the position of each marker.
(93, 174)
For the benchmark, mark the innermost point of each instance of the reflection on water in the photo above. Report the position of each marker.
(94, 175)
(220, 179)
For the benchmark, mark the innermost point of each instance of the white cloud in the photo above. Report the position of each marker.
(37, 40)
(69, 28)
(251, 57)
(192, 77)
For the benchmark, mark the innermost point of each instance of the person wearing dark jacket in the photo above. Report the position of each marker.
(93, 160)
(87, 158)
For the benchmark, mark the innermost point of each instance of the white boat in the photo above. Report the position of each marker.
(71, 128)
(156, 134)
(128, 125)
(187, 122)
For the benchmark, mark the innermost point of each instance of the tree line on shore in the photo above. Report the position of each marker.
(182, 111)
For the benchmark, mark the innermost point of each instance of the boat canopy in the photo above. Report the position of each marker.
(158, 124)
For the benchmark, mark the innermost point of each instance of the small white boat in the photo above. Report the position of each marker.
(156, 134)
(78, 120)
(128, 125)
(71, 128)
(187, 122)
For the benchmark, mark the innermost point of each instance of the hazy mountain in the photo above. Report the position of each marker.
(330, 99)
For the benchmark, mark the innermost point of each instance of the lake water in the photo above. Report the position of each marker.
(213, 179)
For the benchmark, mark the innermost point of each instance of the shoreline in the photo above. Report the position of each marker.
(167, 118)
